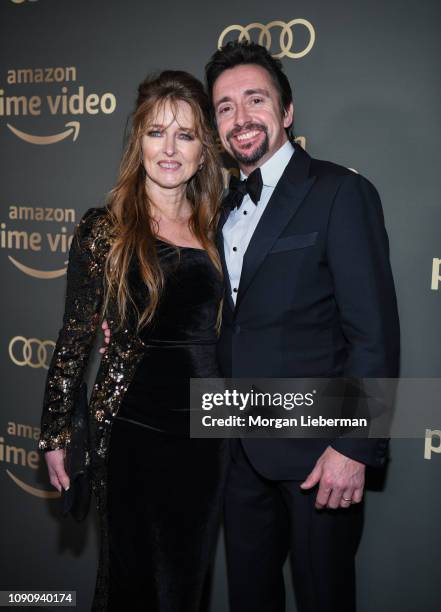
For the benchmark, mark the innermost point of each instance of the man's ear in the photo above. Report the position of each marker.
(288, 116)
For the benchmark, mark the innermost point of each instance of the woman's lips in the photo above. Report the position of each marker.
(169, 165)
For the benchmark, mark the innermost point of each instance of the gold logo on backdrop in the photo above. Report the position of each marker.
(286, 36)
(23, 239)
(432, 443)
(32, 490)
(17, 456)
(43, 274)
(436, 273)
(73, 130)
(31, 352)
(66, 100)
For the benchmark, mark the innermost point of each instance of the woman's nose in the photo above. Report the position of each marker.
(169, 145)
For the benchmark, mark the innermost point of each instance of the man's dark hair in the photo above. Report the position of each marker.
(238, 53)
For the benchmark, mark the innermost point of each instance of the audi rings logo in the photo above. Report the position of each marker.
(286, 36)
(31, 352)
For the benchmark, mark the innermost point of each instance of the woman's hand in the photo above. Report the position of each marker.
(55, 465)
(106, 329)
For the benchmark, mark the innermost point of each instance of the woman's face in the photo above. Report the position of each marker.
(171, 151)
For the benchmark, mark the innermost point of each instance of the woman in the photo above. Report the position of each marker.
(148, 264)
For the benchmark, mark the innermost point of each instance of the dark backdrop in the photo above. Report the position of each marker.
(367, 94)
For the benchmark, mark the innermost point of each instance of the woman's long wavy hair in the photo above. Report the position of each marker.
(132, 225)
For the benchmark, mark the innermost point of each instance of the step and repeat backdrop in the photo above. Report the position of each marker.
(366, 85)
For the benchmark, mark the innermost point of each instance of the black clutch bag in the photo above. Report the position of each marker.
(76, 500)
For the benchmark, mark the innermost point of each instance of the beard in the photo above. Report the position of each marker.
(252, 158)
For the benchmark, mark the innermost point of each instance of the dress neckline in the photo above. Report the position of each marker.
(179, 246)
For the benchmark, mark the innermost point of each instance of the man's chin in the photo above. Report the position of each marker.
(249, 158)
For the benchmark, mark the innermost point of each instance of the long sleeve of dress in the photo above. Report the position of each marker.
(84, 298)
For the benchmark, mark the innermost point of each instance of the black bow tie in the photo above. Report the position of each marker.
(251, 186)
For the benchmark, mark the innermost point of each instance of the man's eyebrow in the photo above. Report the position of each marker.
(247, 92)
(252, 92)
(224, 99)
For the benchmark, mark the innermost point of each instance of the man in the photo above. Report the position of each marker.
(309, 294)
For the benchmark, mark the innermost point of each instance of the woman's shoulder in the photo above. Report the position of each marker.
(94, 219)
(94, 229)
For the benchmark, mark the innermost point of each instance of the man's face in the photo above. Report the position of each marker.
(248, 115)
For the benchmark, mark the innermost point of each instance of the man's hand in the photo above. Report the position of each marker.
(341, 480)
(106, 329)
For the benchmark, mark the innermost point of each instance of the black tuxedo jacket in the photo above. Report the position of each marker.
(316, 299)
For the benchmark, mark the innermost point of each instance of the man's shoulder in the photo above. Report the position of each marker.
(350, 186)
(340, 176)
(321, 167)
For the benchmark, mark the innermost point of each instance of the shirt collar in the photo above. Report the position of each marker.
(274, 167)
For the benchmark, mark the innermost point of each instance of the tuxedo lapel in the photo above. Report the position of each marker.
(289, 193)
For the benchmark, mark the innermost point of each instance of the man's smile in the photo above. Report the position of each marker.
(245, 138)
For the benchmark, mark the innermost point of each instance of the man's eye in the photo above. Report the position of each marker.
(256, 100)
(224, 109)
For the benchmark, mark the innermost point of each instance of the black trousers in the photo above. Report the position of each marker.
(265, 521)
(164, 508)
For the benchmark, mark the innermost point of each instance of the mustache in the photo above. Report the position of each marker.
(247, 126)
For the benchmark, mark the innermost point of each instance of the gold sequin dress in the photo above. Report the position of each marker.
(126, 365)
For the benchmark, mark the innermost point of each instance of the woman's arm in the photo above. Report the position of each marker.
(84, 297)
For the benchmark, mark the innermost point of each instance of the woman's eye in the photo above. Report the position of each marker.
(154, 133)
(186, 136)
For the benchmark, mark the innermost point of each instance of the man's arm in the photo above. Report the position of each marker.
(358, 258)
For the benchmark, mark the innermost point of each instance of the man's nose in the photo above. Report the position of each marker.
(242, 115)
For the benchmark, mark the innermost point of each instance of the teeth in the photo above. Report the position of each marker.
(168, 165)
(247, 135)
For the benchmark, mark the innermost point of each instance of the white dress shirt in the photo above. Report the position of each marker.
(242, 222)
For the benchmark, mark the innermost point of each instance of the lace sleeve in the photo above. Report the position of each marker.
(84, 297)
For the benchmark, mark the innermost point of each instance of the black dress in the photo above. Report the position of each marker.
(164, 488)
